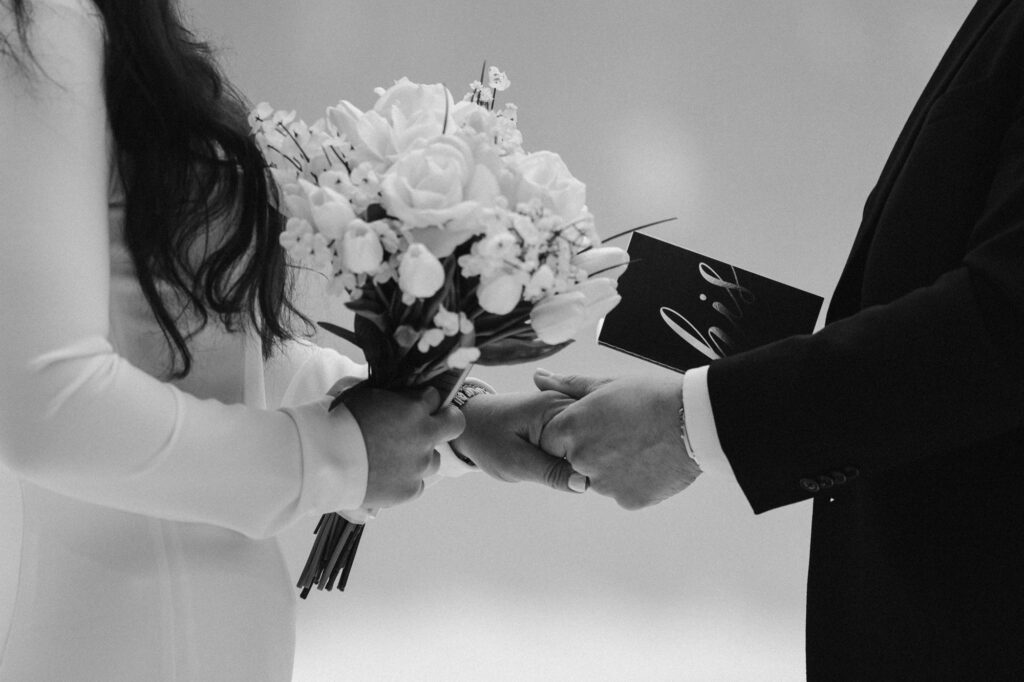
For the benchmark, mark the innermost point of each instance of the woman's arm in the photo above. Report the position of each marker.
(74, 416)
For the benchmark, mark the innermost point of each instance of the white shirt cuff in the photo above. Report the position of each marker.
(700, 422)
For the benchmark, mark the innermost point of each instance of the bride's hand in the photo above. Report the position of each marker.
(400, 430)
(502, 433)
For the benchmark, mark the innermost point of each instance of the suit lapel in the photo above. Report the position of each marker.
(846, 299)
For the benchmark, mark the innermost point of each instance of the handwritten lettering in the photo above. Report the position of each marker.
(716, 343)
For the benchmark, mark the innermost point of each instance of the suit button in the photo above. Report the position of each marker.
(839, 477)
(825, 482)
(810, 485)
(851, 472)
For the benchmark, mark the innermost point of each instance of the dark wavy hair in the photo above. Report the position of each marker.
(193, 178)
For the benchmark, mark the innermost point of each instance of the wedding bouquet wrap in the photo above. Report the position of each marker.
(450, 242)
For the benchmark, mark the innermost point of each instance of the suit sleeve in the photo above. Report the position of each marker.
(937, 370)
(75, 417)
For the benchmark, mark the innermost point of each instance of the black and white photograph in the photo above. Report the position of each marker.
(511, 341)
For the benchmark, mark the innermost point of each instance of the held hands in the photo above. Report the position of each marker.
(620, 436)
(400, 430)
(502, 433)
(624, 434)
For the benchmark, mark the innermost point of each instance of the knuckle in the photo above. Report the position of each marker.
(411, 491)
(566, 424)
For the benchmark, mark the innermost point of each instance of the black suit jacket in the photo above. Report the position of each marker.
(904, 417)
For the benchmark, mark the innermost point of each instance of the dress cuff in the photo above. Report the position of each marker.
(700, 422)
(334, 462)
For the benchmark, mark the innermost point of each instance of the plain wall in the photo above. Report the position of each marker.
(761, 125)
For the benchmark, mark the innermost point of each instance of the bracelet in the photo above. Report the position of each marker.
(469, 389)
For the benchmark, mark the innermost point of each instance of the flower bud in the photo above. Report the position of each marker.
(500, 295)
(420, 273)
(608, 261)
(557, 318)
(361, 250)
(331, 211)
(601, 296)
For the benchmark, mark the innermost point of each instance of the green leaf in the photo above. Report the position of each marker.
(515, 351)
(370, 307)
(346, 334)
(377, 347)
(632, 230)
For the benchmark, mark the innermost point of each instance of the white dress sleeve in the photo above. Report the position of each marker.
(75, 417)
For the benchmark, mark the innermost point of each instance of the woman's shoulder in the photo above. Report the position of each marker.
(63, 49)
(55, 26)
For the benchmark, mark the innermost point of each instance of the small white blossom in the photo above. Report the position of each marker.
(447, 321)
(497, 79)
(461, 358)
(542, 281)
(429, 339)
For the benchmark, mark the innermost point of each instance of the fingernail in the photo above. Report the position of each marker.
(578, 483)
(541, 372)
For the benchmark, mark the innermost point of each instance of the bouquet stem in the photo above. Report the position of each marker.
(337, 539)
(334, 550)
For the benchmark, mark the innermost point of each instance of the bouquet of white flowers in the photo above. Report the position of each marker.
(451, 243)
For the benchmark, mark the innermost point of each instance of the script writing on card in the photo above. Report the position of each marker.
(682, 309)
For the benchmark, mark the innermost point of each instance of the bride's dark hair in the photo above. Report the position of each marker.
(188, 163)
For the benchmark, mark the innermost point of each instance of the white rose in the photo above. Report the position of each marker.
(544, 176)
(415, 111)
(406, 99)
(361, 250)
(435, 189)
(420, 273)
(369, 133)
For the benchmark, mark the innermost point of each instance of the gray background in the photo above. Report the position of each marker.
(762, 126)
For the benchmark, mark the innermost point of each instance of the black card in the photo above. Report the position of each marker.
(681, 309)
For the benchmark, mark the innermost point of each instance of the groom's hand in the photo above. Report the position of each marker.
(624, 434)
(501, 437)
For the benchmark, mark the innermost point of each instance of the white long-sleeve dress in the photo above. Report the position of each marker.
(150, 507)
